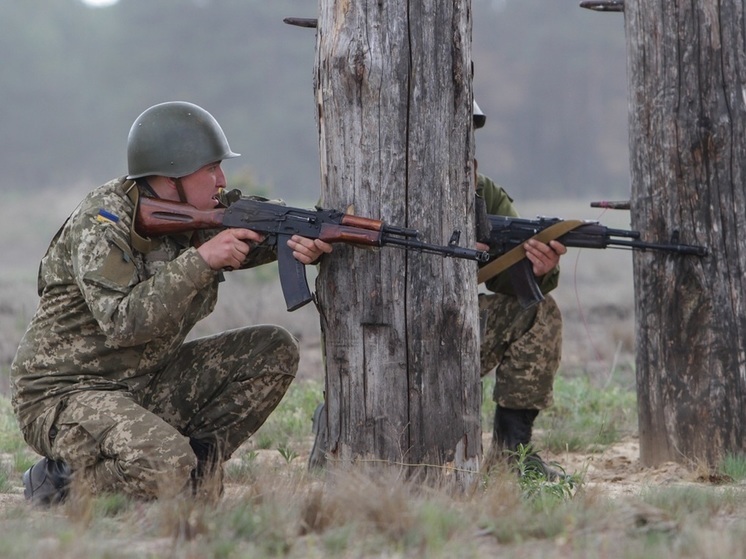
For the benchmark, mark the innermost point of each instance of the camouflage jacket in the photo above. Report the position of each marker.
(109, 315)
(498, 202)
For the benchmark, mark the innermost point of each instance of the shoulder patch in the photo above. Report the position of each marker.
(106, 217)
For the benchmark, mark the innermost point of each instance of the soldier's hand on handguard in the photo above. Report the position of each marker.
(544, 257)
(228, 249)
(308, 251)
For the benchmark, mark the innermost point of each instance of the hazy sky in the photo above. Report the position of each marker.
(99, 2)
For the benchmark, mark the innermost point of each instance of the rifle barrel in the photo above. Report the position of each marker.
(674, 248)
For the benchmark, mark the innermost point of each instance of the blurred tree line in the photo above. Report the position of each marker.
(549, 75)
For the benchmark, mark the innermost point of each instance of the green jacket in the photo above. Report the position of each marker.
(498, 202)
(109, 316)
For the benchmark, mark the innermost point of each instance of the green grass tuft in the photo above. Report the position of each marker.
(734, 466)
(584, 417)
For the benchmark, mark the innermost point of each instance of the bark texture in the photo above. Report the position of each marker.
(687, 116)
(400, 329)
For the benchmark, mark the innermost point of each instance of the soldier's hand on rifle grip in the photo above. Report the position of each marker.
(308, 251)
(228, 249)
(543, 257)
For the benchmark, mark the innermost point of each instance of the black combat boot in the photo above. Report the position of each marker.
(207, 477)
(47, 482)
(317, 459)
(514, 428)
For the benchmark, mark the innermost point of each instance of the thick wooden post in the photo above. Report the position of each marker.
(400, 329)
(687, 143)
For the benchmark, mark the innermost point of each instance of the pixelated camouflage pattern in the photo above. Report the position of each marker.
(525, 347)
(113, 319)
(524, 344)
(219, 390)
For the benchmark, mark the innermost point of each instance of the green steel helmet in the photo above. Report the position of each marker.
(479, 117)
(174, 139)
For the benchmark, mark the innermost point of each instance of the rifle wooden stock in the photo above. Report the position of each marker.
(156, 217)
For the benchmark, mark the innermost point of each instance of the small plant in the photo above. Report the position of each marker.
(535, 480)
(263, 440)
(287, 453)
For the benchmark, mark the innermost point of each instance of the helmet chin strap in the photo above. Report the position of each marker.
(144, 185)
(180, 190)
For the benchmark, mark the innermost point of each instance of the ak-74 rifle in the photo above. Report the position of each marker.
(508, 234)
(157, 217)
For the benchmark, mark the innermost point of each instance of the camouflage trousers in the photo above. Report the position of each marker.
(218, 390)
(524, 346)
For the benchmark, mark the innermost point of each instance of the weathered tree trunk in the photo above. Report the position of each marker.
(687, 68)
(400, 329)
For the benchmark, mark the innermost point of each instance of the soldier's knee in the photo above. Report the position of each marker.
(287, 348)
(287, 339)
(163, 472)
(551, 312)
(271, 337)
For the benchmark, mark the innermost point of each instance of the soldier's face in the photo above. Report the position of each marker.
(201, 186)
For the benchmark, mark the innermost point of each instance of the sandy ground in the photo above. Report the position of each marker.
(616, 471)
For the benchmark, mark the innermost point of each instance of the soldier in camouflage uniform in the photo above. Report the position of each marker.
(104, 385)
(523, 346)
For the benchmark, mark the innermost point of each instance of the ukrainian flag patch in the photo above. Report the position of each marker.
(106, 217)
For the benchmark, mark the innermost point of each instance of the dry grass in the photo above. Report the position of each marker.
(282, 511)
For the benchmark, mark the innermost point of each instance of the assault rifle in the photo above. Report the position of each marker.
(161, 217)
(507, 235)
